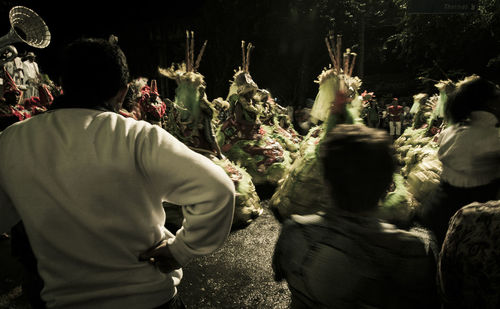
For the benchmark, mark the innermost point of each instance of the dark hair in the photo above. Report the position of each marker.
(92, 72)
(358, 165)
(471, 95)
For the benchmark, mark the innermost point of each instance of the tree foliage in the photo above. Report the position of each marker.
(440, 46)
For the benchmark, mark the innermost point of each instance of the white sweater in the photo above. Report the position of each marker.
(470, 153)
(89, 187)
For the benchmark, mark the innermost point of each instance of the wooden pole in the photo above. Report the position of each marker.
(354, 55)
(244, 62)
(338, 52)
(187, 51)
(198, 60)
(192, 50)
(249, 49)
(330, 52)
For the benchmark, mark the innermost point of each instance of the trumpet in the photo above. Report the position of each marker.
(26, 27)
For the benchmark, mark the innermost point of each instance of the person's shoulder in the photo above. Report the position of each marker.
(414, 242)
(301, 223)
(312, 219)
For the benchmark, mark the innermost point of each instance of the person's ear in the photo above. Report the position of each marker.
(121, 95)
(117, 100)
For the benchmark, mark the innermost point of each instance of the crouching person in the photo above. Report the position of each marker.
(91, 202)
(346, 257)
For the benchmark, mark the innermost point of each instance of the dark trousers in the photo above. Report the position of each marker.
(32, 282)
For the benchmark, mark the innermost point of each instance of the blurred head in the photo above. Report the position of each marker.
(94, 72)
(30, 56)
(477, 94)
(358, 166)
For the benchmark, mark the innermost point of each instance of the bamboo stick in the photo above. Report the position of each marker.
(354, 55)
(338, 52)
(198, 60)
(249, 49)
(187, 51)
(192, 50)
(330, 52)
(346, 60)
(243, 63)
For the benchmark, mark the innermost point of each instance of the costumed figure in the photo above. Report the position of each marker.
(11, 109)
(370, 110)
(277, 122)
(436, 121)
(152, 106)
(418, 118)
(191, 118)
(249, 136)
(131, 107)
(143, 102)
(303, 191)
(40, 104)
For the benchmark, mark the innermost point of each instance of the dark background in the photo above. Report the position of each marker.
(394, 48)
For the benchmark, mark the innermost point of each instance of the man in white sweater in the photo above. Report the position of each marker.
(88, 185)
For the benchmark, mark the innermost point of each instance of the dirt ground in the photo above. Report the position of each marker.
(239, 275)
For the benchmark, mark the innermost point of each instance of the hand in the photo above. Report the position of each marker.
(161, 257)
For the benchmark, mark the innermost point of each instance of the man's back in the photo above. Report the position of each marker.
(355, 262)
(93, 183)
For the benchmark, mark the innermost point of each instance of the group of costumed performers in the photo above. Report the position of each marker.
(417, 148)
(14, 108)
(249, 135)
(257, 133)
(302, 190)
(252, 137)
(193, 119)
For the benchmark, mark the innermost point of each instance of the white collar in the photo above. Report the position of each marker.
(483, 118)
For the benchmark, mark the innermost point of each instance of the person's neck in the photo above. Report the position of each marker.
(68, 101)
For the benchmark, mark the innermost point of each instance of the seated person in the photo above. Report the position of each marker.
(469, 269)
(346, 257)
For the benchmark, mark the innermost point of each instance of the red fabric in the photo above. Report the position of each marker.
(46, 97)
(395, 112)
(152, 108)
(17, 111)
(34, 106)
(338, 108)
(9, 84)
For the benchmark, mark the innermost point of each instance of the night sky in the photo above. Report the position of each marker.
(69, 20)
(153, 34)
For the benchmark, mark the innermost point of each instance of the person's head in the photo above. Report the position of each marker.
(30, 56)
(475, 94)
(95, 73)
(12, 98)
(394, 102)
(358, 166)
